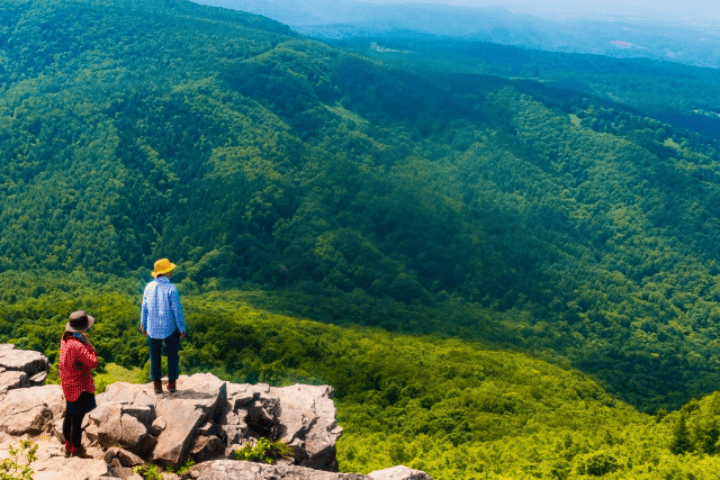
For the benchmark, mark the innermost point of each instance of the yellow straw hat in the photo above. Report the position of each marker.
(163, 266)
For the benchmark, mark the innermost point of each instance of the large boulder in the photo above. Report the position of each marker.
(11, 379)
(400, 472)
(51, 463)
(183, 418)
(201, 398)
(21, 368)
(119, 428)
(31, 410)
(303, 416)
(28, 361)
(241, 470)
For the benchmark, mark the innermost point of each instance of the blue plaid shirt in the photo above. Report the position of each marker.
(161, 309)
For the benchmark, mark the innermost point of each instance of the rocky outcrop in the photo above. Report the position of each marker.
(21, 368)
(206, 420)
(237, 470)
(400, 472)
(30, 411)
(303, 416)
(53, 465)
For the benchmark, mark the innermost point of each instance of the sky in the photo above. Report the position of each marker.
(697, 10)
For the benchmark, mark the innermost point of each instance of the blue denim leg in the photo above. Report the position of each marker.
(172, 345)
(155, 364)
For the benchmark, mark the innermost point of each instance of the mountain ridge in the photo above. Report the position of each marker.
(354, 192)
(669, 39)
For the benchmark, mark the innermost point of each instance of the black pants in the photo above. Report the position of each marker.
(72, 425)
(72, 428)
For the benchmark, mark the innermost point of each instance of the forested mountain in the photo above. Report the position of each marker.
(452, 408)
(468, 204)
(681, 95)
(617, 32)
(354, 192)
(292, 179)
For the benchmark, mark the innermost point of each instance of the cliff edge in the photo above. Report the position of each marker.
(205, 421)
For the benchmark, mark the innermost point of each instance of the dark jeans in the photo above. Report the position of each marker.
(72, 425)
(172, 344)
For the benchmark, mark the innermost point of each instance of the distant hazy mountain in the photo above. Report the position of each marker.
(637, 37)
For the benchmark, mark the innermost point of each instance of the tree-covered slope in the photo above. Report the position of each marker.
(453, 408)
(354, 192)
(682, 95)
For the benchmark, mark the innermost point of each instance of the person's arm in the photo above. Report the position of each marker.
(144, 317)
(85, 354)
(177, 311)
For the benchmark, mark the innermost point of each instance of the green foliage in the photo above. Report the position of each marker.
(333, 187)
(182, 469)
(456, 409)
(15, 468)
(598, 464)
(290, 179)
(148, 471)
(115, 373)
(264, 451)
(681, 438)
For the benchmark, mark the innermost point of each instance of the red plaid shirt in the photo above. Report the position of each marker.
(77, 359)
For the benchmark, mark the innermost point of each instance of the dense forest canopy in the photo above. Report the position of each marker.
(681, 95)
(316, 199)
(351, 191)
(452, 408)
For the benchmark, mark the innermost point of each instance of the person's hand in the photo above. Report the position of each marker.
(144, 332)
(182, 335)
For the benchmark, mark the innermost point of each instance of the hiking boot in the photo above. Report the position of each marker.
(78, 452)
(171, 386)
(157, 385)
(68, 448)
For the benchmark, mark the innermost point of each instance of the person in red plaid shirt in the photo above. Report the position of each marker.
(77, 360)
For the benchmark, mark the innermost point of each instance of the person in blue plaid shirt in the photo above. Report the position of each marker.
(163, 321)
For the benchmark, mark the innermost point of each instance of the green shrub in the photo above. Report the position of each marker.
(148, 471)
(181, 469)
(599, 464)
(11, 469)
(264, 450)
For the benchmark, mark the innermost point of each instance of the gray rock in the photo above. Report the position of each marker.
(205, 448)
(211, 428)
(158, 425)
(128, 394)
(308, 417)
(38, 379)
(124, 473)
(400, 472)
(69, 468)
(206, 387)
(205, 419)
(27, 361)
(174, 442)
(126, 431)
(124, 457)
(11, 379)
(234, 428)
(240, 470)
(30, 410)
(144, 414)
(304, 416)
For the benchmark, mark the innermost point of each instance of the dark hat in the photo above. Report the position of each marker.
(79, 322)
